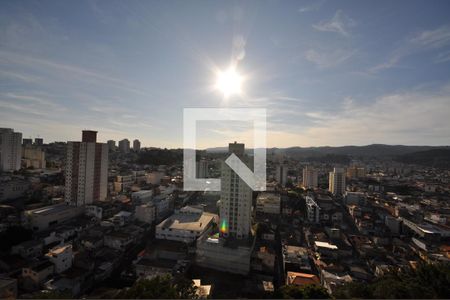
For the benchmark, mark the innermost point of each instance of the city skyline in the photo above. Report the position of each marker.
(258, 149)
(329, 73)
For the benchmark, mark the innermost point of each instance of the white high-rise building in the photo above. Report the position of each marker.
(310, 176)
(202, 169)
(136, 145)
(124, 146)
(281, 175)
(10, 149)
(336, 183)
(236, 198)
(86, 170)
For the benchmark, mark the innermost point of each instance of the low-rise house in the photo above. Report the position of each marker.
(61, 257)
(118, 240)
(142, 197)
(186, 225)
(145, 213)
(150, 268)
(326, 250)
(203, 291)
(263, 260)
(268, 204)
(8, 288)
(296, 259)
(28, 249)
(35, 275)
(331, 281)
(301, 279)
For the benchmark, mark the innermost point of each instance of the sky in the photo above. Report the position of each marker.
(327, 72)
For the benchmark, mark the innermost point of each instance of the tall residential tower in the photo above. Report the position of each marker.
(336, 184)
(236, 198)
(310, 178)
(10, 149)
(86, 170)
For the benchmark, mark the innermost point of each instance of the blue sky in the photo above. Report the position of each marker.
(328, 72)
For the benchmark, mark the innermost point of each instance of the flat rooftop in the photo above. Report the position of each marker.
(187, 221)
(268, 198)
(53, 209)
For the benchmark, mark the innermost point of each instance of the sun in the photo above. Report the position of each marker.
(229, 82)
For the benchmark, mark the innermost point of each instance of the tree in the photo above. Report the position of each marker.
(424, 281)
(160, 287)
(52, 295)
(311, 291)
(12, 236)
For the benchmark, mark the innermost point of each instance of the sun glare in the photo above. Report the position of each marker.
(229, 82)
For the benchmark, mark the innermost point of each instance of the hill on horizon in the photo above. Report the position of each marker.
(439, 158)
(373, 150)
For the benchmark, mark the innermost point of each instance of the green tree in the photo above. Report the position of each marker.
(160, 287)
(305, 292)
(12, 236)
(52, 295)
(424, 281)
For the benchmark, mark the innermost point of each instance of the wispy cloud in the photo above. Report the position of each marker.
(32, 104)
(316, 5)
(442, 57)
(329, 59)
(424, 40)
(405, 117)
(435, 38)
(17, 75)
(340, 23)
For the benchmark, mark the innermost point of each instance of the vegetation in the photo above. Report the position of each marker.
(160, 287)
(160, 157)
(305, 292)
(439, 158)
(12, 236)
(52, 295)
(425, 281)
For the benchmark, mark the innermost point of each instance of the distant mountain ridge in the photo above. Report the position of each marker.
(373, 150)
(439, 158)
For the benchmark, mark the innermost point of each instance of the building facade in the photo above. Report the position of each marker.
(310, 178)
(202, 169)
(86, 170)
(124, 146)
(10, 149)
(337, 182)
(136, 145)
(236, 199)
(281, 175)
(111, 145)
(33, 157)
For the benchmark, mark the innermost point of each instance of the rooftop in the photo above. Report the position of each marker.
(297, 278)
(52, 209)
(187, 221)
(325, 245)
(59, 250)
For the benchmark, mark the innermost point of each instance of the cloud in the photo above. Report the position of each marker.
(239, 43)
(16, 75)
(442, 57)
(422, 41)
(435, 38)
(340, 24)
(316, 5)
(31, 104)
(328, 59)
(414, 117)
